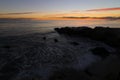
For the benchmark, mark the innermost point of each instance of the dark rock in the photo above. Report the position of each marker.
(74, 31)
(100, 51)
(74, 43)
(8, 72)
(11, 69)
(36, 77)
(68, 74)
(87, 72)
(107, 35)
(55, 40)
(44, 38)
(118, 77)
(7, 46)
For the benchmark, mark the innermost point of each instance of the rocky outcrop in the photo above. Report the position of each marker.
(100, 51)
(107, 35)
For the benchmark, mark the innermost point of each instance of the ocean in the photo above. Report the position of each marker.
(20, 26)
(29, 56)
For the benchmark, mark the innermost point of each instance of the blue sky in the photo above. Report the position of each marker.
(54, 6)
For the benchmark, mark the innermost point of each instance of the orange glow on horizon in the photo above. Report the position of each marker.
(59, 16)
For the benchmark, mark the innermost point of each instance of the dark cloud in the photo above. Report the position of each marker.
(105, 9)
(107, 18)
(19, 13)
(71, 17)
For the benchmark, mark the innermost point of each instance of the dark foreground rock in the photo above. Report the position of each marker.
(100, 51)
(107, 35)
(56, 57)
(69, 74)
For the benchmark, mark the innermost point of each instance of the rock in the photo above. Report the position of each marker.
(44, 38)
(8, 72)
(55, 40)
(7, 46)
(107, 35)
(100, 51)
(69, 74)
(107, 68)
(74, 43)
(30, 78)
(11, 69)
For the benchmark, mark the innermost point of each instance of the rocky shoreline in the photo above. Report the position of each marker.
(107, 35)
(53, 56)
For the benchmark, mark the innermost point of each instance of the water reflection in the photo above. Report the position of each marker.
(33, 26)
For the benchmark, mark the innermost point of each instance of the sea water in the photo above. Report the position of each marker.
(11, 27)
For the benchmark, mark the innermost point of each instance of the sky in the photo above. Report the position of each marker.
(54, 9)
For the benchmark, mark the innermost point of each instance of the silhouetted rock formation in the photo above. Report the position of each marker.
(74, 31)
(107, 35)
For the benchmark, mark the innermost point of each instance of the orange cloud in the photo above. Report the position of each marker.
(105, 9)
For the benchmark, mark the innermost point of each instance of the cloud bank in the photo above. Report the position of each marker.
(19, 13)
(107, 18)
(105, 9)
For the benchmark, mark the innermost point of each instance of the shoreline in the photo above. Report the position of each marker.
(107, 35)
(42, 56)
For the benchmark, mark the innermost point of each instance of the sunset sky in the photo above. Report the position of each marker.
(57, 9)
